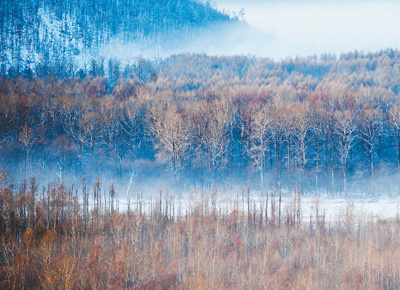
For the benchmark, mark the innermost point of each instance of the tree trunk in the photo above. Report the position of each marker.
(398, 148)
(316, 177)
(345, 178)
(372, 171)
(280, 202)
(262, 181)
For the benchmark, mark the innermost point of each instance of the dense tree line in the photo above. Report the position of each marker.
(58, 238)
(244, 117)
(36, 34)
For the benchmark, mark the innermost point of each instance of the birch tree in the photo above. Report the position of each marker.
(219, 121)
(260, 124)
(394, 120)
(345, 129)
(301, 124)
(369, 130)
(168, 126)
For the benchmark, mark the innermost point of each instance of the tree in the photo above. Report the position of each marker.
(91, 128)
(8, 114)
(27, 138)
(260, 123)
(280, 134)
(218, 123)
(321, 122)
(301, 124)
(111, 126)
(168, 126)
(68, 114)
(394, 119)
(370, 124)
(345, 129)
(81, 121)
(133, 118)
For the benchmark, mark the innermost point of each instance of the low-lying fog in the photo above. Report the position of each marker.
(280, 29)
(291, 28)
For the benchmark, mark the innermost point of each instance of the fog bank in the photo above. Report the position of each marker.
(302, 28)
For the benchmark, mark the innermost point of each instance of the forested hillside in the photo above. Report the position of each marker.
(66, 33)
(315, 123)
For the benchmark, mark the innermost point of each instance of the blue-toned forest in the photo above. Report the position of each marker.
(126, 164)
(317, 123)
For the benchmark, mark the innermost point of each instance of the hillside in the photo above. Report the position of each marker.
(69, 33)
(320, 123)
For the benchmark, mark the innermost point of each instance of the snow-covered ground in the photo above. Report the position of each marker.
(378, 207)
(331, 207)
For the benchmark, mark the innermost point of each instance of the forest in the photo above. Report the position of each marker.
(319, 124)
(35, 34)
(55, 239)
(125, 164)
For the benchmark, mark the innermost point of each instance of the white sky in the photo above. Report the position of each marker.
(290, 28)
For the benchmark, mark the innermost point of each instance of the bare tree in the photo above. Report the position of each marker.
(369, 130)
(110, 113)
(197, 126)
(8, 115)
(394, 119)
(92, 129)
(345, 129)
(219, 121)
(81, 121)
(68, 114)
(111, 130)
(169, 127)
(301, 124)
(260, 123)
(132, 116)
(280, 134)
(320, 118)
(27, 138)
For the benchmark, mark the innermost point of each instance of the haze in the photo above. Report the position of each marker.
(302, 28)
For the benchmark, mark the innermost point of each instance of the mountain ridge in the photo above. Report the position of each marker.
(72, 32)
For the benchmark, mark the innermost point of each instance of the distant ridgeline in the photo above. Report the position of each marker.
(38, 35)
